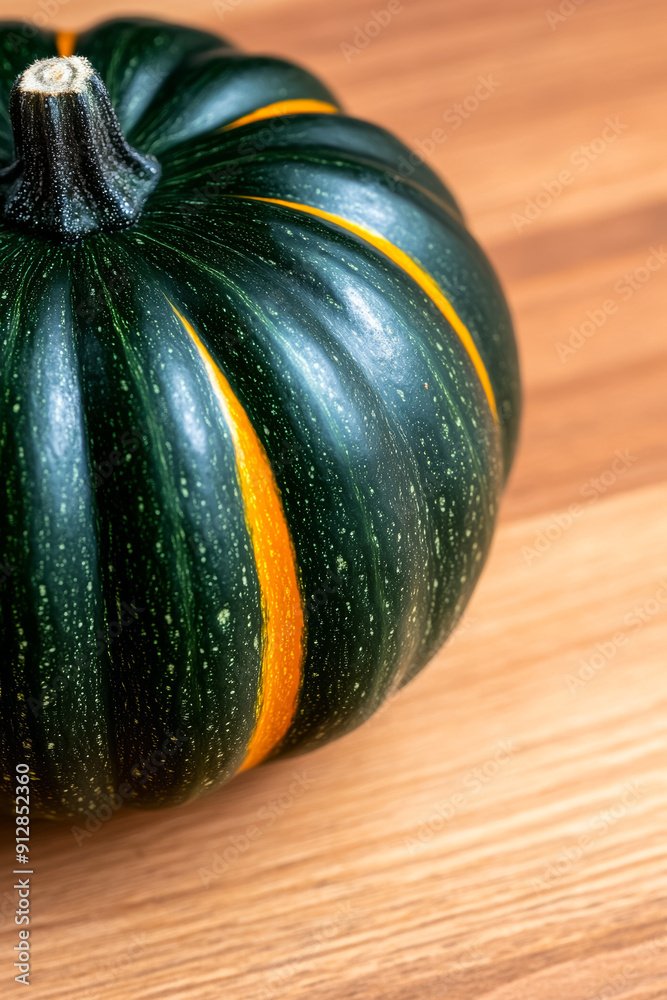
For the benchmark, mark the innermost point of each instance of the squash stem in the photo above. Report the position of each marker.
(74, 173)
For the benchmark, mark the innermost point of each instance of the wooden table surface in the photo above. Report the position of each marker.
(498, 831)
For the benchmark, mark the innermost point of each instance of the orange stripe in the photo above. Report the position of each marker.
(302, 106)
(66, 43)
(425, 282)
(282, 612)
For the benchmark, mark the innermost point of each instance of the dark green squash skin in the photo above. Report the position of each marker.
(390, 488)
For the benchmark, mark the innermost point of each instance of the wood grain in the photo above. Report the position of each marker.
(498, 830)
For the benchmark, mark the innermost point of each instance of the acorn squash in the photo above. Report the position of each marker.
(260, 397)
